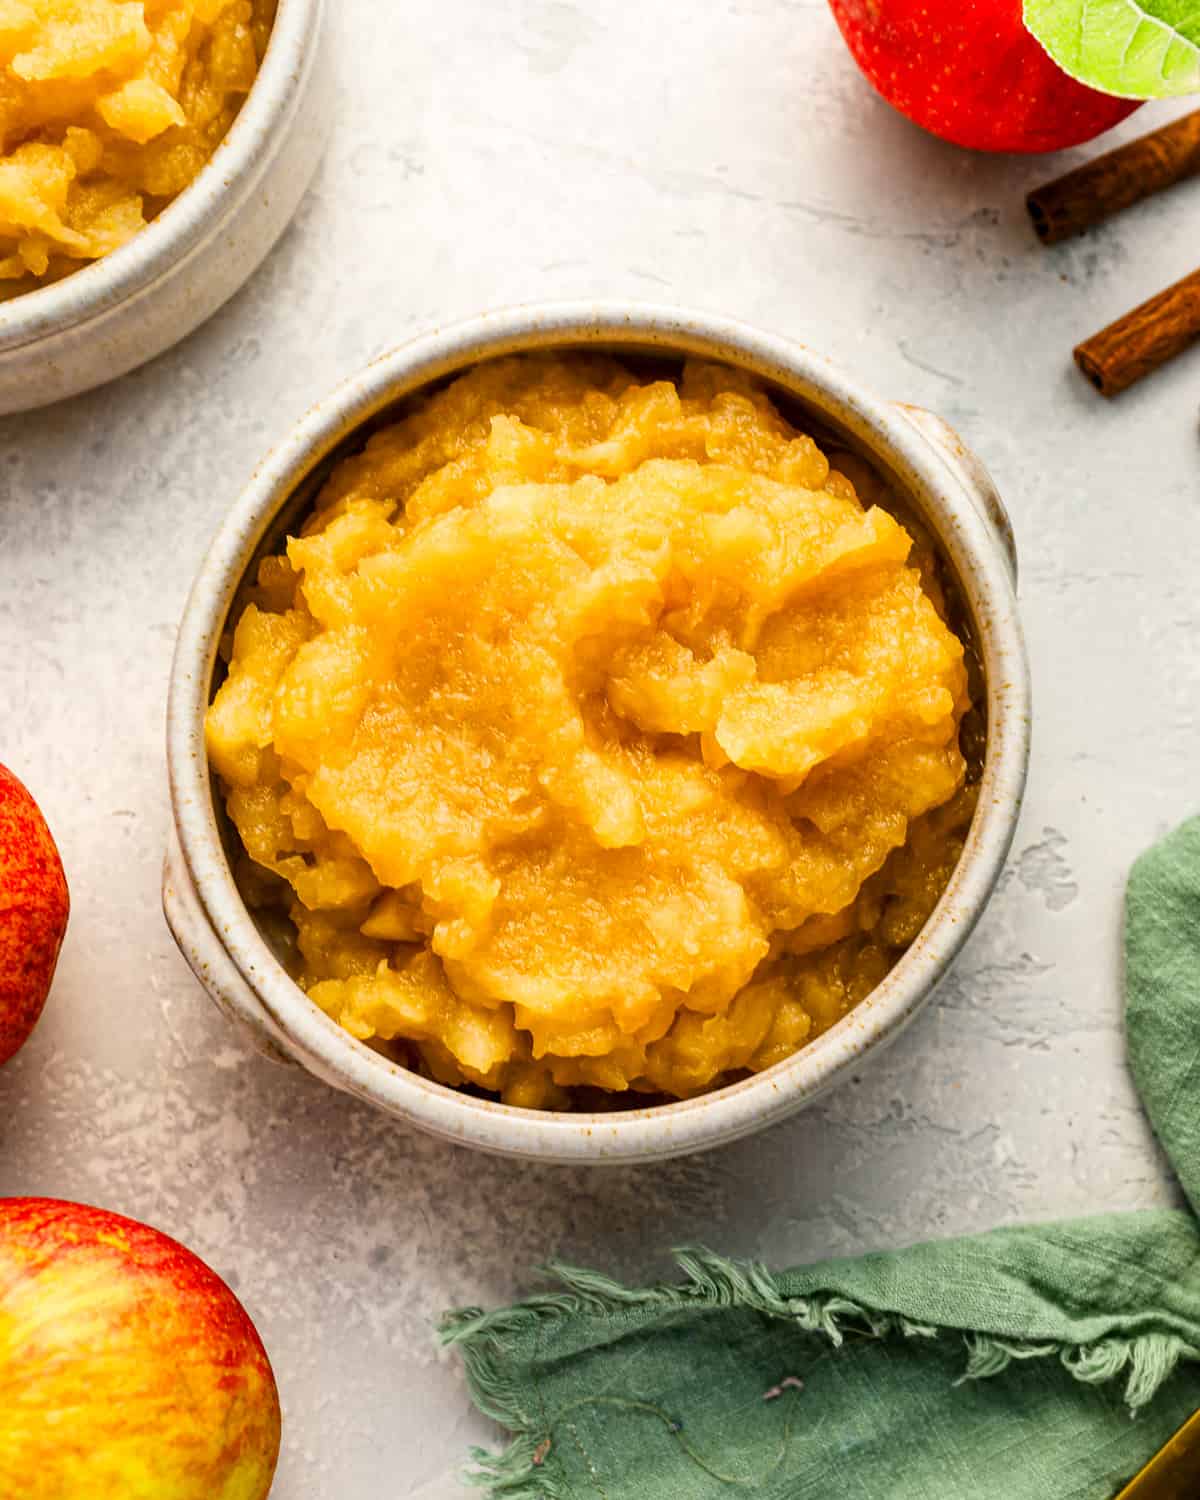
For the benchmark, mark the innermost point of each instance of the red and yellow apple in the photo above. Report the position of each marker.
(34, 905)
(970, 72)
(128, 1369)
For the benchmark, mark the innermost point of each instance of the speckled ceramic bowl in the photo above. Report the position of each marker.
(232, 958)
(114, 314)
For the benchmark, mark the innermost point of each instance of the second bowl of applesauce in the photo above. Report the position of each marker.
(604, 743)
(150, 156)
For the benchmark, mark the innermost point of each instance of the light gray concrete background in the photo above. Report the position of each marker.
(728, 155)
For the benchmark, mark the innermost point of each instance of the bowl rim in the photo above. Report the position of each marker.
(230, 174)
(647, 1132)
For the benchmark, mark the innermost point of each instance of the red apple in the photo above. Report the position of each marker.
(970, 71)
(128, 1369)
(34, 905)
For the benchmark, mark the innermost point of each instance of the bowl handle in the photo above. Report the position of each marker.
(939, 434)
(208, 960)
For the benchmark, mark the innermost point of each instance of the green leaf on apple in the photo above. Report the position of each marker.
(1141, 49)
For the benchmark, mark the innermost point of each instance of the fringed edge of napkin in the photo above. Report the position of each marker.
(518, 1473)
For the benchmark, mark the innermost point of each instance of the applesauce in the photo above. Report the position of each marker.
(595, 733)
(108, 110)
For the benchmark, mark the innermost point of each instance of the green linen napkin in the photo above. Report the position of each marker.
(1026, 1364)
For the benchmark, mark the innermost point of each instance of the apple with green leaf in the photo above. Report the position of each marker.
(1022, 75)
(128, 1369)
(34, 906)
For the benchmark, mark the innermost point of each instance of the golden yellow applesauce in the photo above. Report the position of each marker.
(108, 109)
(594, 733)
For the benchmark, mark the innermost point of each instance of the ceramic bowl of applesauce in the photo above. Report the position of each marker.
(160, 157)
(594, 730)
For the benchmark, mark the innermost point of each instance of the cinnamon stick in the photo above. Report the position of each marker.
(1143, 339)
(1116, 181)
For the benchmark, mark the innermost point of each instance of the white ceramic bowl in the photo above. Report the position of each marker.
(238, 968)
(114, 314)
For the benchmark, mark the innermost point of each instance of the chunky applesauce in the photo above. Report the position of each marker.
(108, 109)
(594, 733)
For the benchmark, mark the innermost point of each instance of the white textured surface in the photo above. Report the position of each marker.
(725, 155)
